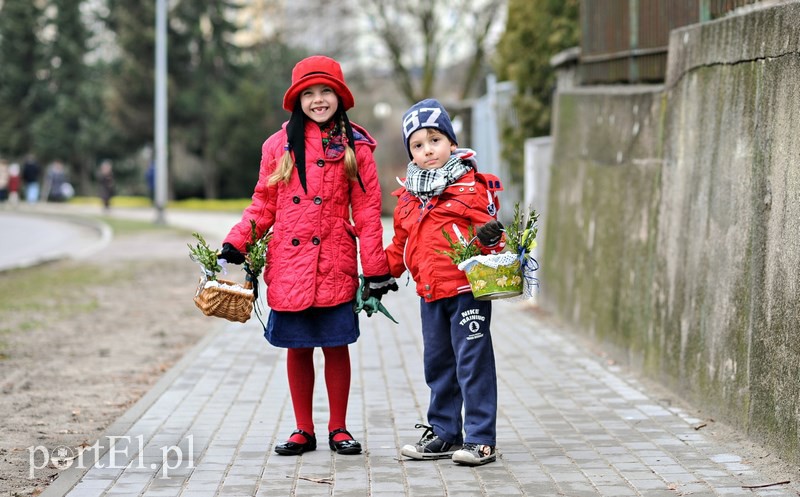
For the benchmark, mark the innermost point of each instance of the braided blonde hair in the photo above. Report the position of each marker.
(283, 172)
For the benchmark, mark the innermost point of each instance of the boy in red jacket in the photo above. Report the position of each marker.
(442, 190)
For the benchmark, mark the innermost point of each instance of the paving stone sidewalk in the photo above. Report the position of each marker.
(569, 424)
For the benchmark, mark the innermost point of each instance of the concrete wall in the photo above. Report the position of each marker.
(673, 221)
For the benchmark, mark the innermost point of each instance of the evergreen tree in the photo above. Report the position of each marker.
(242, 119)
(98, 138)
(57, 128)
(535, 31)
(19, 62)
(130, 97)
(205, 65)
(222, 99)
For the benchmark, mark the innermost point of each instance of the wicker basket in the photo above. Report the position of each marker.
(225, 299)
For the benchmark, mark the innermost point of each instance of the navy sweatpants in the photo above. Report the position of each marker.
(460, 368)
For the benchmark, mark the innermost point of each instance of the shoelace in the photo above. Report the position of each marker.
(427, 435)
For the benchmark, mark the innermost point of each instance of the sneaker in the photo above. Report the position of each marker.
(429, 446)
(475, 455)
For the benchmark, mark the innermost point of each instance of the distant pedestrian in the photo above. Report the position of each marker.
(318, 192)
(31, 173)
(13, 183)
(105, 181)
(3, 180)
(443, 190)
(150, 179)
(56, 187)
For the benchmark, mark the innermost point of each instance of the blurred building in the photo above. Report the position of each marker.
(258, 21)
(317, 25)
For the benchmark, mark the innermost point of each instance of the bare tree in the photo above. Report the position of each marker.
(416, 41)
(420, 38)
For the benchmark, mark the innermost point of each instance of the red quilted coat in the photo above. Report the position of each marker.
(311, 258)
(418, 237)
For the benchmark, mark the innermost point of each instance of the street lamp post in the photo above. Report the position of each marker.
(161, 111)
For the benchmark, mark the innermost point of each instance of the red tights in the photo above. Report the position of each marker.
(300, 369)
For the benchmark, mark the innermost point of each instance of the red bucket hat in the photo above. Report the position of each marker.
(314, 70)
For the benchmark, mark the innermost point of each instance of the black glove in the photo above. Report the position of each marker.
(231, 254)
(378, 286)
(489, 234)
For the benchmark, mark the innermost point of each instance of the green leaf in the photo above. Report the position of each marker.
(202, 254)
(460, 252)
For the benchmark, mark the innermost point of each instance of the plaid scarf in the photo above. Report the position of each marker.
(428, 183)
(329, 131)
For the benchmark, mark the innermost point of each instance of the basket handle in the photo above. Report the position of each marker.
(251, 281)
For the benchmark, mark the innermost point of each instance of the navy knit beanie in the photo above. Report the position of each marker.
(428, 113)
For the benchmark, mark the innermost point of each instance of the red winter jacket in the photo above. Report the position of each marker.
(311, 258)
(418, 233)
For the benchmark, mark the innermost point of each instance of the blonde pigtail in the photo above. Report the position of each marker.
(350, 164)
(283, 173)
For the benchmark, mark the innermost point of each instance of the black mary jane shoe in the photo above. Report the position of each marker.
(290, 448)
(350, 446)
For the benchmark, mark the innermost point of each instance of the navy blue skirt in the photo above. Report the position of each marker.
(313, 327)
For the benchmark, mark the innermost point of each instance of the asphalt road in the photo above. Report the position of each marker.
(31, 235)
(28, 238)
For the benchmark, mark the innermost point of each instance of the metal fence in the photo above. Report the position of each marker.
(489, 114)
(625, 41)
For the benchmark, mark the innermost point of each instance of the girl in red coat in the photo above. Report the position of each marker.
(318, 192)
